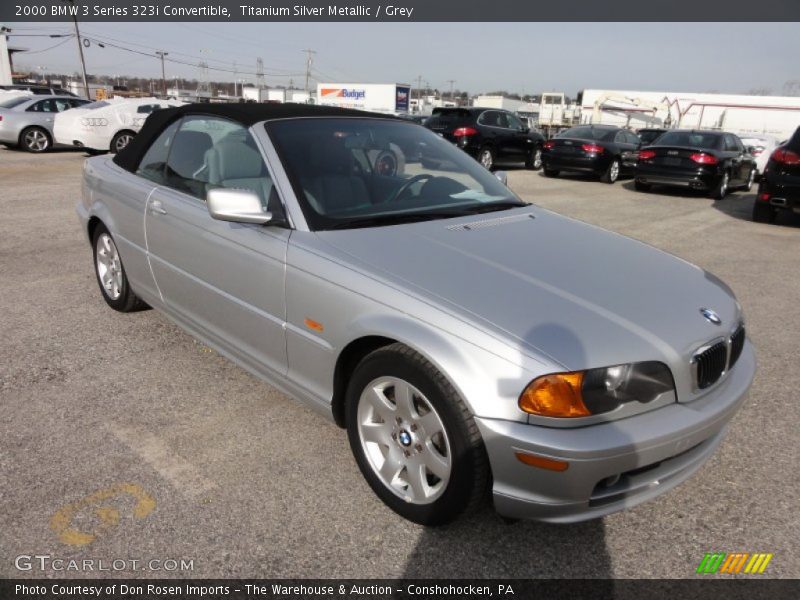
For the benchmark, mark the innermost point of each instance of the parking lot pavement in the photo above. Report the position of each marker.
(123, 438)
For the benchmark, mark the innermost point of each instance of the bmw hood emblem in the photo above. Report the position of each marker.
(405, 438)
(711, 316)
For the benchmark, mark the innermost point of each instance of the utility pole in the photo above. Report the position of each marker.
(80, 48)
(451, 82)
(161, 54)
(419, 87)
(309, 60)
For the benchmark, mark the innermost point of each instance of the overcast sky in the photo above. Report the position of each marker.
(522, 57)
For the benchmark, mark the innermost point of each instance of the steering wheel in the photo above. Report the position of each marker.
(404, 188)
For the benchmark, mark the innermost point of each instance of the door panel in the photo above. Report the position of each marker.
(226, 278)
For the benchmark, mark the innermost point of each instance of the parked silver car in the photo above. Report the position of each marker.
(465, 339)
(27, 121)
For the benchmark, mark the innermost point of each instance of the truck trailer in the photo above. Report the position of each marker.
(777, 116)
(391, 98)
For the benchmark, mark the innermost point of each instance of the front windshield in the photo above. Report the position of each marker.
(15, 101)
(352, 172)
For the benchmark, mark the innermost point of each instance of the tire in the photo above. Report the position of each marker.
(612, 172)
(551, 172)
(642, 187)
(435, 429)
(486, 157)
(35, 139)
(114, 285)
(764, 213)
(534, 159)
(121, 140)
(721, 189)
(750, 180)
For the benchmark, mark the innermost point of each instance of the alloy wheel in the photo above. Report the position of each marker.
(486, 159)
(404, 440)
(109, 266)
(36, 140)
(122, 142)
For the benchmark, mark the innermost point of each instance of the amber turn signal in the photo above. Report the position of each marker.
(557, 395)
(540, 461)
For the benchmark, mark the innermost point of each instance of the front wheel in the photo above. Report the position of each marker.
(111, 275)
(751, 178)
(414, 439)
(612, 172)
(534, 159)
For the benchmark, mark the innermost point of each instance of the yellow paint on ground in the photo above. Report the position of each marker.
(108, 516)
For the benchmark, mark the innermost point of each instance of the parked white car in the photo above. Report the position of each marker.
(107, 125)
(763, 146)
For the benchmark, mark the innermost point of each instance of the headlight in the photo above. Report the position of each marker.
(596, 391)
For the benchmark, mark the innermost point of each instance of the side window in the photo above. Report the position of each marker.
(44, 106)
(490, 118)
(209, 152)
(513, 122)
(730, 143)
(621, 138)
(633, 138)
(154, 161)
(62, 105)
(146, 109)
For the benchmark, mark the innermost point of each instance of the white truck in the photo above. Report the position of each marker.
(777, 116)
(390, 98)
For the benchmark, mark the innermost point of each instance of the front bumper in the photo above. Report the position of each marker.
(614, 465)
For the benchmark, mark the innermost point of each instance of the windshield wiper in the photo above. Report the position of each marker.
(395, 219)
(414, 217)
(493, 206)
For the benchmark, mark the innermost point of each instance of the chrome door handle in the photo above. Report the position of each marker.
(156, 208)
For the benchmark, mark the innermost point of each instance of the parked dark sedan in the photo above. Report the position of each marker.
(489, 135)
(606, 151)
(711, 161)
(780, 183)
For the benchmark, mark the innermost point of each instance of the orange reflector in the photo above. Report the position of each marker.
(542, 462)
(557, 395)
(312, 324)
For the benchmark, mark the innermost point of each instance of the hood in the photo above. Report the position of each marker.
(583, 296)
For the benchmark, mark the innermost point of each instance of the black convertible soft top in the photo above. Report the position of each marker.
(246, 114)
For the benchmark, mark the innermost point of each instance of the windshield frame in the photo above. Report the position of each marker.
(320, 222)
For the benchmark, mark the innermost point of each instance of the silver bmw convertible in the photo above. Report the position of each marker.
(472, 345)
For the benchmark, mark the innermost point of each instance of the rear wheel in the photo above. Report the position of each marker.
(642, 187)
(612, 172)
(764, 213)
(534, 159)
(111, 275)
(35, 139)
(414, 439)
(721, 189)
(486, 157)
(121, 140)
(550, 172)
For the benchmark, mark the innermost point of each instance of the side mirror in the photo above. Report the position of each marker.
(237, 206)
(750, 149)
(502, 176)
